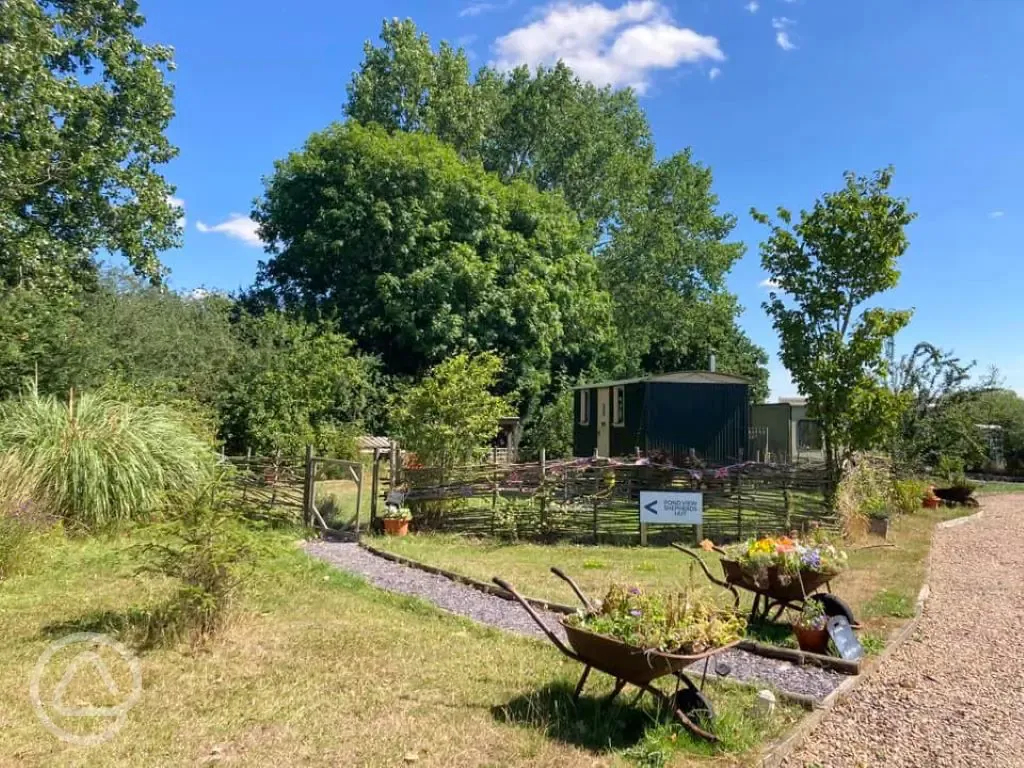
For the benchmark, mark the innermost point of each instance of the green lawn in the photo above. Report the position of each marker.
(321, 669)
(878, 585)
(989, 488)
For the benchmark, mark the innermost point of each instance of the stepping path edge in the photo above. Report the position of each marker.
(775, 755)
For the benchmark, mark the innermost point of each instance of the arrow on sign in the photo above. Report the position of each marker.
(652, 507)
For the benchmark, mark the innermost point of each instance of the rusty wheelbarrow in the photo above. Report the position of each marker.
(777, 593)
(631, 665)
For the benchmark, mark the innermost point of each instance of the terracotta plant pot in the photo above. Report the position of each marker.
(879, 526)
(811, 640)
(394, 527)
(932, 503)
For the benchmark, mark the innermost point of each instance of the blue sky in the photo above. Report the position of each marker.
(778, 97)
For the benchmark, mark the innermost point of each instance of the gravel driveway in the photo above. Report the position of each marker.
(952, 695)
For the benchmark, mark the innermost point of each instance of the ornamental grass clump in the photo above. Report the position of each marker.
(685, 622)
(92, 461)
(789, 556)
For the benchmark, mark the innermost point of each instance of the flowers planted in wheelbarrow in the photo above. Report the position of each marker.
(788, 556)
(683, 622)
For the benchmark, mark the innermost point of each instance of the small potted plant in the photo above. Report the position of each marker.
(396, 520)
(811, 628)
(877, 511)
(931, 501)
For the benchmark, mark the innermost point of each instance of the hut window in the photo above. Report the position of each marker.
(619, 407)
(808, 435)
(584, 407)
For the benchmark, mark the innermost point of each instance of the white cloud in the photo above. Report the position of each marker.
(177, 202)
(752, 6)
(617, 47)
(781, 26)
(238, 226)
(768, 283)
(714, 74)
(997, 214)
(465, 41)
(476, 9)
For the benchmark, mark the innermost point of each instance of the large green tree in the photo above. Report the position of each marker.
(827, 265)
(417, 254)
(1003, 408)
(548, 128)
(84, 105)
(666, 268)
(661, 244)
(938, 419)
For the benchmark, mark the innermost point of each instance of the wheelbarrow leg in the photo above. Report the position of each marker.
(778, 613)
(619, 685)
(677, 713)
(639, 695)
(755, 607)
(581, 683)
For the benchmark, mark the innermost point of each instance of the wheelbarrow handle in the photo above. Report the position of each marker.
(533, 615)
(707, 572)
(575, 588)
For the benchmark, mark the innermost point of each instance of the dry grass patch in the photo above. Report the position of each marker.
(322, 670)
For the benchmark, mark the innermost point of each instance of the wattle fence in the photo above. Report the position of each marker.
(597, 500)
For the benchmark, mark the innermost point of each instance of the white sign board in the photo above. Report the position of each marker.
(672, 507)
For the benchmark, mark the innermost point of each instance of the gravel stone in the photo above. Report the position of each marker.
(464, 600)
(953, 694)
(745, 667)
(453, 597)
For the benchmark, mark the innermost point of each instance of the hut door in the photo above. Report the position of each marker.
(603, 421)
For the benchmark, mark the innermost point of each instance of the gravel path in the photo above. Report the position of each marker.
(953, 694)
(505, 614)
(447, 594)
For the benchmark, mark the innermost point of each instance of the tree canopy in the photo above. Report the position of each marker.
(83, 110)
(835, 258)
(417, 255)
(657, 237)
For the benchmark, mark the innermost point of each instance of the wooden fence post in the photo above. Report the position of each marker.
(374, 485)
(307, 488)
(543, 488)
(359, 496)
(596, 502)
(739, 504)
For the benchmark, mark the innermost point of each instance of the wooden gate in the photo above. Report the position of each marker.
(333, 494)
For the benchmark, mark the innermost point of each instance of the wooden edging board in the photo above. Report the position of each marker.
(776, 754)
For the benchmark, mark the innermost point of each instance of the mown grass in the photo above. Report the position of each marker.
(986, 488)
(320, 669)
(880, 584)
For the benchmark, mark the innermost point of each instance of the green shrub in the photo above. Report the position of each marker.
(209, 552)
(908, 495)
(951, 468)
(94, 461)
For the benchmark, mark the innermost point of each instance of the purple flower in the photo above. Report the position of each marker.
(811, 558)
(634, 590)
(636, 613)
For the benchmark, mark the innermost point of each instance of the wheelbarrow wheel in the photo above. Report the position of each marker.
(695, 705)
(833, 606)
